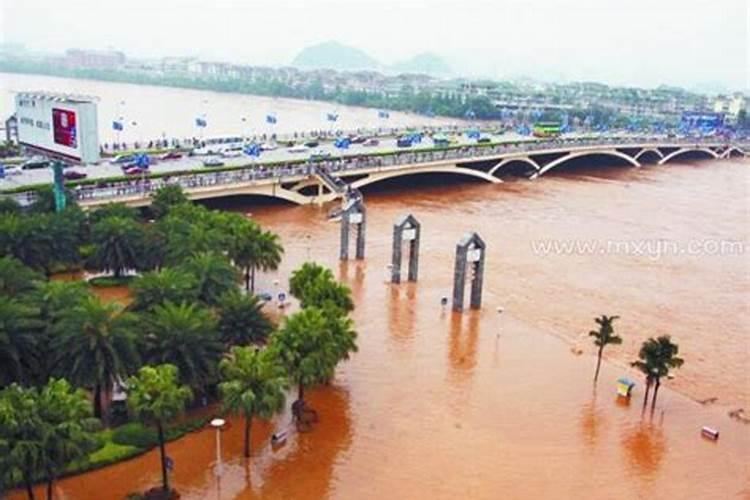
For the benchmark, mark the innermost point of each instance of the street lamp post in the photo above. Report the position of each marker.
(217, 424)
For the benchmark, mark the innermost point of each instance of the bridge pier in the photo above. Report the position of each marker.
(354, 215)
(470, 253)
(407, 228)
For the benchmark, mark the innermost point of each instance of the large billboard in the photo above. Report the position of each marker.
(59, 125)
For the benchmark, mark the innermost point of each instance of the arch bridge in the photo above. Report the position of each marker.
(332, 179)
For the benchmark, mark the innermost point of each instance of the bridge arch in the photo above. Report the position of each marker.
(381, 176)
(578, 154)
(649, 150)
(273, 191)
(506, 161)
(682, 151)
(730, 150)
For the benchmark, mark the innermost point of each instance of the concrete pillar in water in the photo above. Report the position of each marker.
(470, 253)
(355, 215)
(407, 228)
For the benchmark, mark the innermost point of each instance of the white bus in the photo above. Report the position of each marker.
(219, 145)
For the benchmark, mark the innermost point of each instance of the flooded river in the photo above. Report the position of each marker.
(150, 112)
(485, 405)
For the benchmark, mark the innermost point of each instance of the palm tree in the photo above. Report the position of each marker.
(254, 385)
(95, 343)
(156, 397)
(215, 275)
(241, 319)
(656, 358)
(342, 331)
(314, 285)
(306, 347)
(168, 285)
(251, 248)
(166, 198)
(20, 330)
(15, 278)
(42, 430)
(67, 429)
(184, 335)
(21, 436)
(117, 244)
(112, 210)
(603, 337)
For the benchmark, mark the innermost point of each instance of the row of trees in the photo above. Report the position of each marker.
(114, 240)
(656, 357)
(188, 328)
(99, 347)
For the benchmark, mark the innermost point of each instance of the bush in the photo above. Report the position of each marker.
(135, 434)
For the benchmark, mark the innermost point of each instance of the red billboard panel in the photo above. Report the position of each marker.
(64, 127)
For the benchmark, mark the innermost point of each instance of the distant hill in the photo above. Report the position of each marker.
(334, 55)
(426, 63)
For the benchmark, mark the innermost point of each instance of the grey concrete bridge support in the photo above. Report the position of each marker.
(407, 228)
(355, 215)
(470, 253)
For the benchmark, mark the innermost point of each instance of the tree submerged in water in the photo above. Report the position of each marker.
(603, 337)
(656, 358)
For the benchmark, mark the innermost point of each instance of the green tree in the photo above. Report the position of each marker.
(306, 347)
(314, 285)
(241, 319)
(215, 275)
(254, 385)
(15, 278)
(119, 210)
(9, 206)
(45, 200)
(42, 430)
(251, 248)
(168, 285)
(20, 329)
(184, 335)
(95, 346)
(118, 242)
(656, 358)
(21, 436)
(603, 337)
(156, 397)
(67, 427)
(166, 198)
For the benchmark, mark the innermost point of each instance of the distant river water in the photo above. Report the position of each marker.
(150, 112)
(483, 405)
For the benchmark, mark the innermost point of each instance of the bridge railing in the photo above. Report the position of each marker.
(138, 187)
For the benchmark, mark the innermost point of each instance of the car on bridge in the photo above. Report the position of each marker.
(134, 170)
(320, 155)
(213, 162)
(74, 175)
(120, 159)
(35, 162)
(171, 155)
(404, 142)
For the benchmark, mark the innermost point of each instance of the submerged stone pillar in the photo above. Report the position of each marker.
(470, 252)
(354, 215)
(407, 228)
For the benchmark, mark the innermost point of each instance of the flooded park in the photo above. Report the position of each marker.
(499, 402)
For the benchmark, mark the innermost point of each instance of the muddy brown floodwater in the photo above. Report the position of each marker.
(486, 405)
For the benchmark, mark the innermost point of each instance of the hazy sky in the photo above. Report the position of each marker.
(639, 42)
